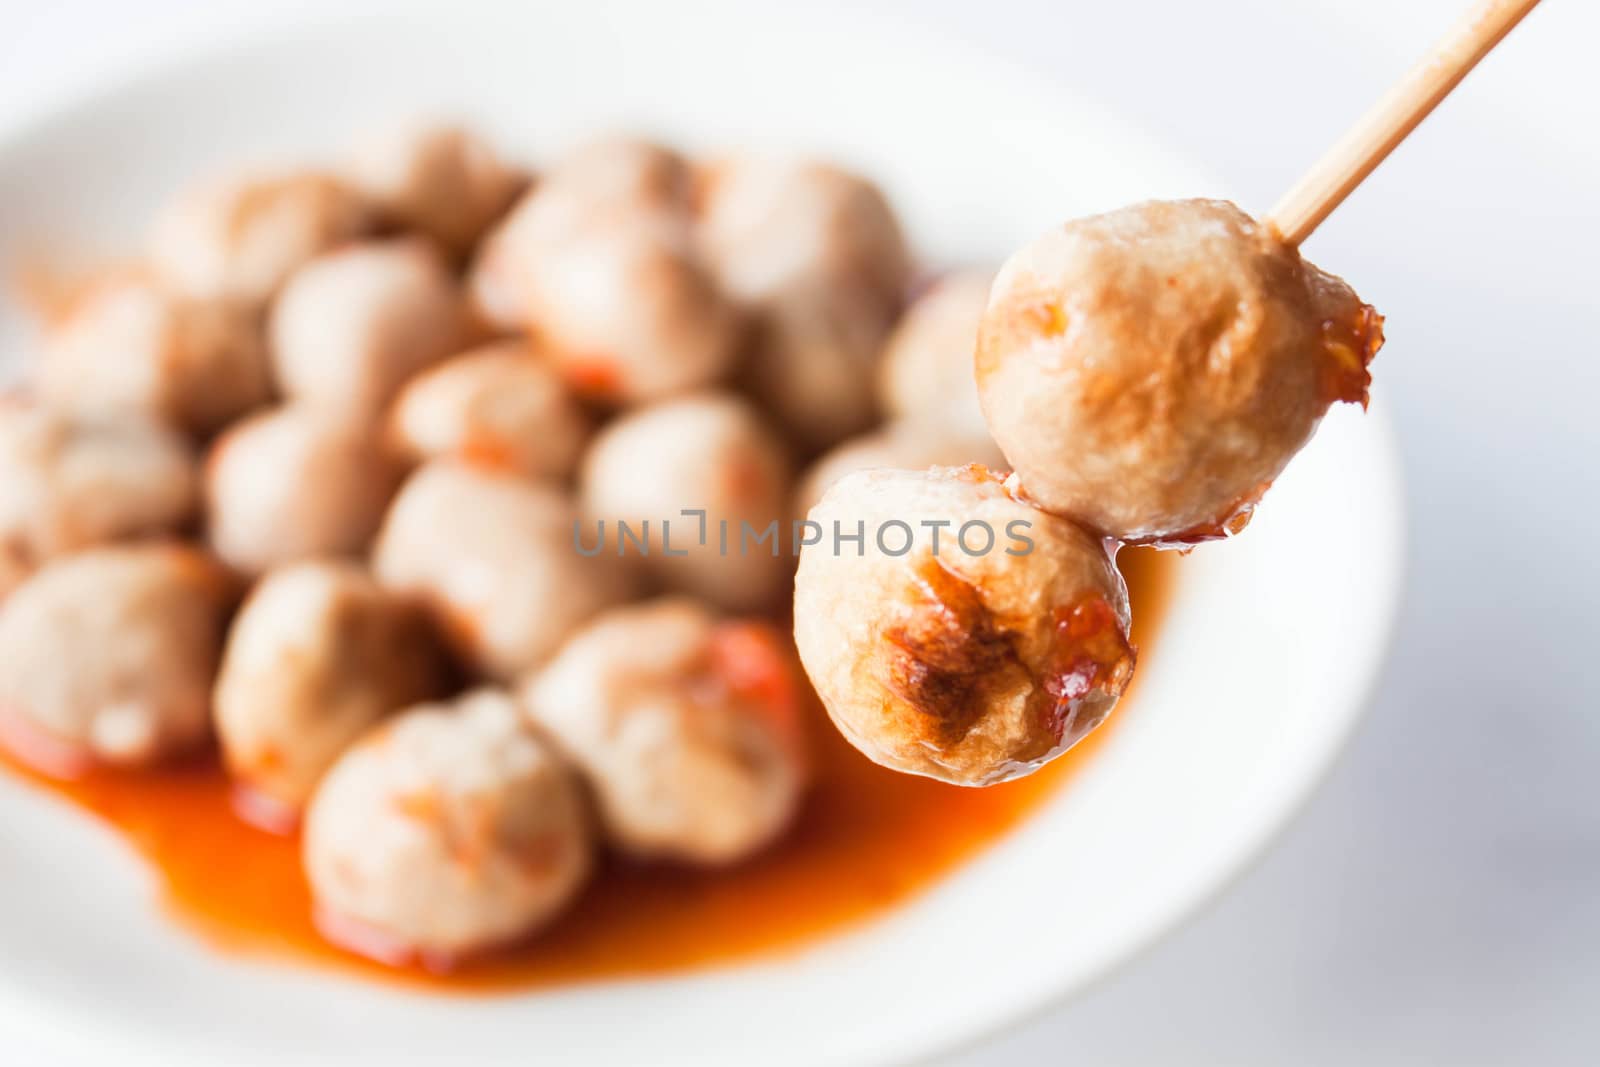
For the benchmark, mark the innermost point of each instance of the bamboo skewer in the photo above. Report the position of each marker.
(1400, 110)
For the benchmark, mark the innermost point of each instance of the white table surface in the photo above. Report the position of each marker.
(1439, 901)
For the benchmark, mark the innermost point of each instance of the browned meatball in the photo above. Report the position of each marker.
(686, 725)
(128, 343)
(292, 483)
(108, 656)
(445, 831)
(1150, 371)
(318, 653)
(971, 651)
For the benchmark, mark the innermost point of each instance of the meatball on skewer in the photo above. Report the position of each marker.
(686, 726)
(445, 831)
(955, 631)
(1150, 371)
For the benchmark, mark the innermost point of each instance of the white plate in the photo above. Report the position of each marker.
(1257, 676)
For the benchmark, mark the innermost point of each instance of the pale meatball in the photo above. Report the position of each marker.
(107, 656)
(686, 726)
(497, 285)
(1150, 371)
(501, 406)
(767, 224)
(318, 653)
(623, 171)
(292, 483)
(128, 343)
(817, 255)
(607, 183)
(627, 314)
(812, 361)
(68, 482)
(353, 325)
(240, 238)
(907, 444)
(445, 831)
(926, 368)
(495, 558)
(708, 454)
(442, 180)
(966, 635)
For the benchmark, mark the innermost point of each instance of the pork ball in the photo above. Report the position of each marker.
(953, 630)
(445, 831)
(443, 180)
(501, 406)
(626, 312)
(926, 368)
(603, 184)
(71, 481)
(292, 483)
(686, 726)
(318, 653)
(709, 454)
(907, 444)
(811, 362)
(624, 172)
(128, 343)
(817, 256)
(353, 325)
(1150, 371)
(241, 237)
(495, 558)
(767, 224)
(107, 656)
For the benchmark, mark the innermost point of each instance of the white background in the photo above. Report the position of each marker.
(1439, 901)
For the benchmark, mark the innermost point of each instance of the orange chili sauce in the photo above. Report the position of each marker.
(866, 839)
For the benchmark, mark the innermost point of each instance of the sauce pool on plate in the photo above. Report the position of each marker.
(865, 840)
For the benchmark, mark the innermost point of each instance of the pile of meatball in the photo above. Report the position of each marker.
(1147, 372)
(304, 484)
